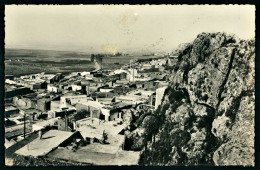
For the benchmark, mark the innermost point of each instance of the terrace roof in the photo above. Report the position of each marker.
(40, 147)
(10, 108)
(97, 127)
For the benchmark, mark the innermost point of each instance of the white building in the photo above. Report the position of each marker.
(120, 71)
(146, 66)
(103, 112)
(89, 76)
(75, 87)
(52, 88)
(132, 74)
(159, 96)
(162, 61)
(55, 105)
(143, 78)
(105, 90)
(84, 73)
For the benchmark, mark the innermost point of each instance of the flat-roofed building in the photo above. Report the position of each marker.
(11, 111)
(25, 101)
(57, 77)
(49, 78)
(52, 88)
(9, 77)
(75, 87)
(14, 90)
(72, 100)
(55, 105)
(147, 93)
(43, 104)
(43, 124)
(106, 90)
(33, 114)
(48, 142)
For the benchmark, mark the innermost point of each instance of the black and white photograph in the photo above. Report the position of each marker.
(129, 85)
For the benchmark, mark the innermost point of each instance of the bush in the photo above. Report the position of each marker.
(198, 94)
(205, 97)
(165, 107)
(104, 138)
(81, 115)
(176, 96)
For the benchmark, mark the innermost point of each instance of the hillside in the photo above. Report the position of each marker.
(207, 114)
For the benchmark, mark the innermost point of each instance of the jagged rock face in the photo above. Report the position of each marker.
(180, 48)
(208, 111)
(238, 139)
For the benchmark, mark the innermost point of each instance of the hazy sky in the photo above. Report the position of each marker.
(121, 27)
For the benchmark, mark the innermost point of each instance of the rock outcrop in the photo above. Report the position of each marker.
(207, 113)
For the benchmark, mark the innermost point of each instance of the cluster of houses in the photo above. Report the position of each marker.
(40, 106)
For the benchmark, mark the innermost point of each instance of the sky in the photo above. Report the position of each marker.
(123, 28)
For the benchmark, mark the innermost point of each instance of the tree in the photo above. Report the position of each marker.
(104, 137)
(81, 115)
(151, 125)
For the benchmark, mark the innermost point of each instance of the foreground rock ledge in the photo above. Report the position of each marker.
(207, 114)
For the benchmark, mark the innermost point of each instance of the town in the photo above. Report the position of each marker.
(82, 116)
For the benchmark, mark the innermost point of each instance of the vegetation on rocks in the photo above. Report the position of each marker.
(207, 113)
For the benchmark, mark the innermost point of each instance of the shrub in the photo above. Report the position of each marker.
(205, 97)
(176, 95)
(104, 138)
(198, 93)
(81, 115)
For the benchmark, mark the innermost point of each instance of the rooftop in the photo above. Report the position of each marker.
(101, 148)
(9, 87)
(40, 147)
(130, 97)
(147, 92)
(97, 158)
(45, 123)
(161, 89)
(10, 108)
(72, 94)
(97, 127)
(30, 110)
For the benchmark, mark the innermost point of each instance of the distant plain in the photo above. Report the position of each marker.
(25, 61)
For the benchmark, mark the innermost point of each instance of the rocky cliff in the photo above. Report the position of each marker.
(207, 114)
